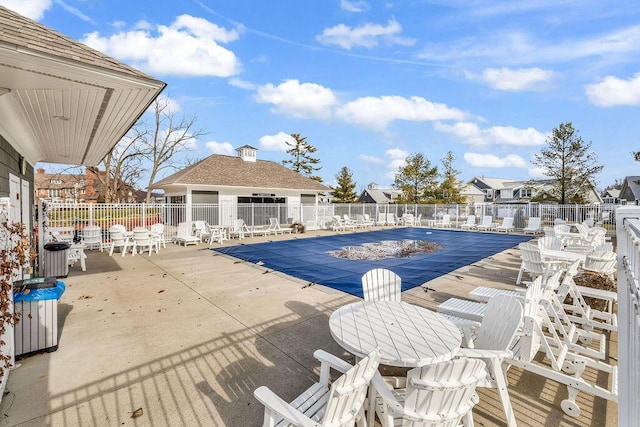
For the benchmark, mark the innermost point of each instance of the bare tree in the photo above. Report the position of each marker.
(123, 166)
(170, 136)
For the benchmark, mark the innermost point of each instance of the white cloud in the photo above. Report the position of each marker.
(75, 11)
(612, 91)
(169, 105)
(366, 35)
(33, 9)
(188, 47)
(242, 84)
(397, 157)
(277, 142)
(515, 80)
(471, 133)
(220, 147)
(518, 47)
(377, 112)
(537, 173)
(354, 5)
(371, 159)
(492, 161)
(298, 100)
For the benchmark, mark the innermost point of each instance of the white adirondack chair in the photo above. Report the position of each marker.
(534, 226)
(551, 243)
(92, 237)
(185, 234)
(445, 223)
(486, 223)
(118, 240)
(274, 227)
(506, 225)
(325, 403)
(142, 240)
(391, 219)
(435, 395)
(157, 234)
(381, 284)
(470, 224)
(601, 263)
(533, 263)
(492, 343)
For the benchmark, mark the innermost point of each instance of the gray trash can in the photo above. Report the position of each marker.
(56, 259)
(36, 303)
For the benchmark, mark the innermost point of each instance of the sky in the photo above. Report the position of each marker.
(369, 83)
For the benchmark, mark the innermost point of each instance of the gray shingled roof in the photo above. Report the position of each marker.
(232, 171)
(18, 30)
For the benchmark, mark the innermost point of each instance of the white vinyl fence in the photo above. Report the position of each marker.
(628, 240)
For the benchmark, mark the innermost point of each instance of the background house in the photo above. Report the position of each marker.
(234, 181)
(508, 191)
(611, 196)
(374, 194)
(84, 187)
(630, 190)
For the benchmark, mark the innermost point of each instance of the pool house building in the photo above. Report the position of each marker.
(222, 188)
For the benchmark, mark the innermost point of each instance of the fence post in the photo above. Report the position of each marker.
(90, 214)
(41, 225)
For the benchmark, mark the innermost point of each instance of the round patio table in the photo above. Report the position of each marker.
(407, 335)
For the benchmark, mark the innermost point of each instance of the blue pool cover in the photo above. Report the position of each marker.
(308, 258)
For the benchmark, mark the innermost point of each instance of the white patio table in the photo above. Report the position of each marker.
(407, 335)
(564, 256)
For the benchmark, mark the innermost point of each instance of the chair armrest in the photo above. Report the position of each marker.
(333, 361)
(484, 354)
(382, 389)
(274, 404)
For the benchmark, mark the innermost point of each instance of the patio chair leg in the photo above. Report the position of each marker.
(501, 385)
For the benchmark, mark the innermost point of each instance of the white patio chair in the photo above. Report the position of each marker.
(325, 403)
(506, 225)
(143, 241)
(445, 223)
(382, 219)
(435, 395)
(601, 263)
(92, 237)
(348, 222)
(486, 223)
(199, 229)
(157, 233)
(534, 226)
(381, 284)
(337, 223)
(185, 235)
(533, 263)
(368, 222)
(492, 343)
(275, 228)
(214, 234)
(391, 219)
(407, 220)
(118, 240)
(418, 221)
(550, 243)
(470, 223)
(239, 229)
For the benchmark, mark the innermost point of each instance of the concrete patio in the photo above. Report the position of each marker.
(186, 335)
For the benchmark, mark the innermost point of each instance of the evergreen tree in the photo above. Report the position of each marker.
(567, 160)
(449, 189)
(302, 160)
(344, 192)
(416, 178)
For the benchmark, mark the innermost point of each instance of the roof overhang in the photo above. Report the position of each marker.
(58, 110)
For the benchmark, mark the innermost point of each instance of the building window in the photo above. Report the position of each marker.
(525, 193)
(54, 192)
(56, 181)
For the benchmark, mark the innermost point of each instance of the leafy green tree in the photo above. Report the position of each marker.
(416, 178)
(449, 189)
(567, 160)
(344, 191)
(302, 160)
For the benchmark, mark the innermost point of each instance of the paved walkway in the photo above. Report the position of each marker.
(185, 336)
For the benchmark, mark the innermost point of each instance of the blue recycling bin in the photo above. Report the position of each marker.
(36, 301)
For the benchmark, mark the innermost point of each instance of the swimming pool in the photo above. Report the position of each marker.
(309, 259)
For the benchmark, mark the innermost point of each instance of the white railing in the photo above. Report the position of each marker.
(628, 242)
